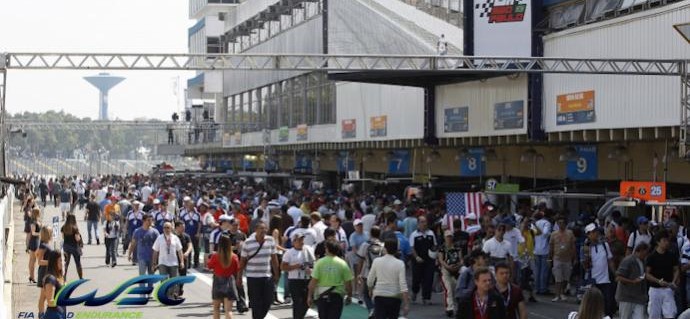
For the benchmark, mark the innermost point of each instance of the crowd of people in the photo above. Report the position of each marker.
(382, 249)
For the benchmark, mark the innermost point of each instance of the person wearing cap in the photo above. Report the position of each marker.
(298, 262)
(160, 215)
(399, 210)
(134, 220)
(597, 261)
(641, 235)
(192, 222)
(450, 260)
(225, 221)
(471, 224)
(562, 255)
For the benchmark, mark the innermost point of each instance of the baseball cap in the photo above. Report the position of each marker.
(226, 218)
(187, 199)
(156, 201)
(471, 216)
(357, 222)
(397, 202)
(136, 202)
(387, 209)
(298, 234)
(447, 233)
(589, 228)
(642, 220)
(237, 202)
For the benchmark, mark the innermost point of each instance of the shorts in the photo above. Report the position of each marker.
(562, 271)
(33, 243)
(661, 303)
(223, 288)
(65, 207)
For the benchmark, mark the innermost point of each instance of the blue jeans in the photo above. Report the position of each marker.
(146, 267)
(89, 225)
(541, 273)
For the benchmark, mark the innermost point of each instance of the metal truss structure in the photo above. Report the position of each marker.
(355, 63)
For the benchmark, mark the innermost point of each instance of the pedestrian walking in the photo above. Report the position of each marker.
(591, 307)
(450, 261)
(111, 230)
(388, 284)
(33, 242)
(257, 262)
(72, 244)
(298, 262)
(422, 241)
(143, 239)
(168, 256)
(662, 272)
(330, 281)
(92, 217)
(483, 302)
(224, 265)
(631, 293)
(51, 284)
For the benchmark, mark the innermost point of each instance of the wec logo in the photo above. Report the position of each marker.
(64, 297)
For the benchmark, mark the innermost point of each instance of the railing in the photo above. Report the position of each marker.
(197, 5)
(577, 13)
(5, 250)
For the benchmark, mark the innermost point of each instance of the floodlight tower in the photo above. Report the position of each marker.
(103, 82)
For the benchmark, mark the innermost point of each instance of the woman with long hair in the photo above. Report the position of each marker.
(225, 265)
(591, 307)
(33, 241)
(27, 208)
(52, 283)
(72, 243)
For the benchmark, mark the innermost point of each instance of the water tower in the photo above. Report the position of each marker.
(103, 82)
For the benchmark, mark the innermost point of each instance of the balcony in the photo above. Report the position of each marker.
(198, 8)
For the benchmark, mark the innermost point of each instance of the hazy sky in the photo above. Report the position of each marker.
(112, 26)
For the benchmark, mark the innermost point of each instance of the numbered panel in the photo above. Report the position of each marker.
(472, 164)
(303, 164)
(345, 163)
(585, 167)
(399, 162)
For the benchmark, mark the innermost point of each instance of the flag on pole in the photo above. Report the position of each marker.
(459, 205)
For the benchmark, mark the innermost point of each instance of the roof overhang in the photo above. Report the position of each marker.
(414, 78)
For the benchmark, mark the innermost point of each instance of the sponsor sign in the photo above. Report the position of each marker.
(509, 115)
(303, 164)
(399, 162)
(471, 164)
(456, 119)
(237, 138)
(283, 134)
(378, 126)
(345, 162)
(302, 132)
(349, 128)
(575, 108)
(227, 140)
(585, 167)
(647, 191)
(503, 28)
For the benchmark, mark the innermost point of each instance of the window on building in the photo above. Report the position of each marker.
(285, 103)
(214, 45)
(298, 101)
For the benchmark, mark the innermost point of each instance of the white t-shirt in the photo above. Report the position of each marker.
(514, 237)
(368, 222)
(146, 191)
(295, 213)
(167, 248)
(497, 249)
(600, 263)
(319, 228)
(304, 256)
(541, 242)
(636, 238)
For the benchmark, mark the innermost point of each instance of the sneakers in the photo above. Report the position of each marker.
(557, 298)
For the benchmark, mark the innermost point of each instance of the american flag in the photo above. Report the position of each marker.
(461, 204)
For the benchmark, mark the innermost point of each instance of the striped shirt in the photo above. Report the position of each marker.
(260, 265)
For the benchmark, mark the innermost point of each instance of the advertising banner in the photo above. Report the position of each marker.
(647, 191)
(248, 164)
(471, 165)
(283, 134)
(303, 164)
(238, 138)
(270, 165)
(345, 163)
(575, 108)
(378, 126)
(349, 128)
(503, 28)
(585, 167)
(399, 162)
(302, 132)
(227, 140)
(456, 119)
(509, 115)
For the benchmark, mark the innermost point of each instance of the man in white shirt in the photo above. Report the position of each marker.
(641, 235)
(318, 226)
(598, 262)
(298, 262)
(498, 248)
(294, 212)
(168, 256)
(146, 191)
(541, 253)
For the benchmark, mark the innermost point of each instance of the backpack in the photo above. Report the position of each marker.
(375, 250)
